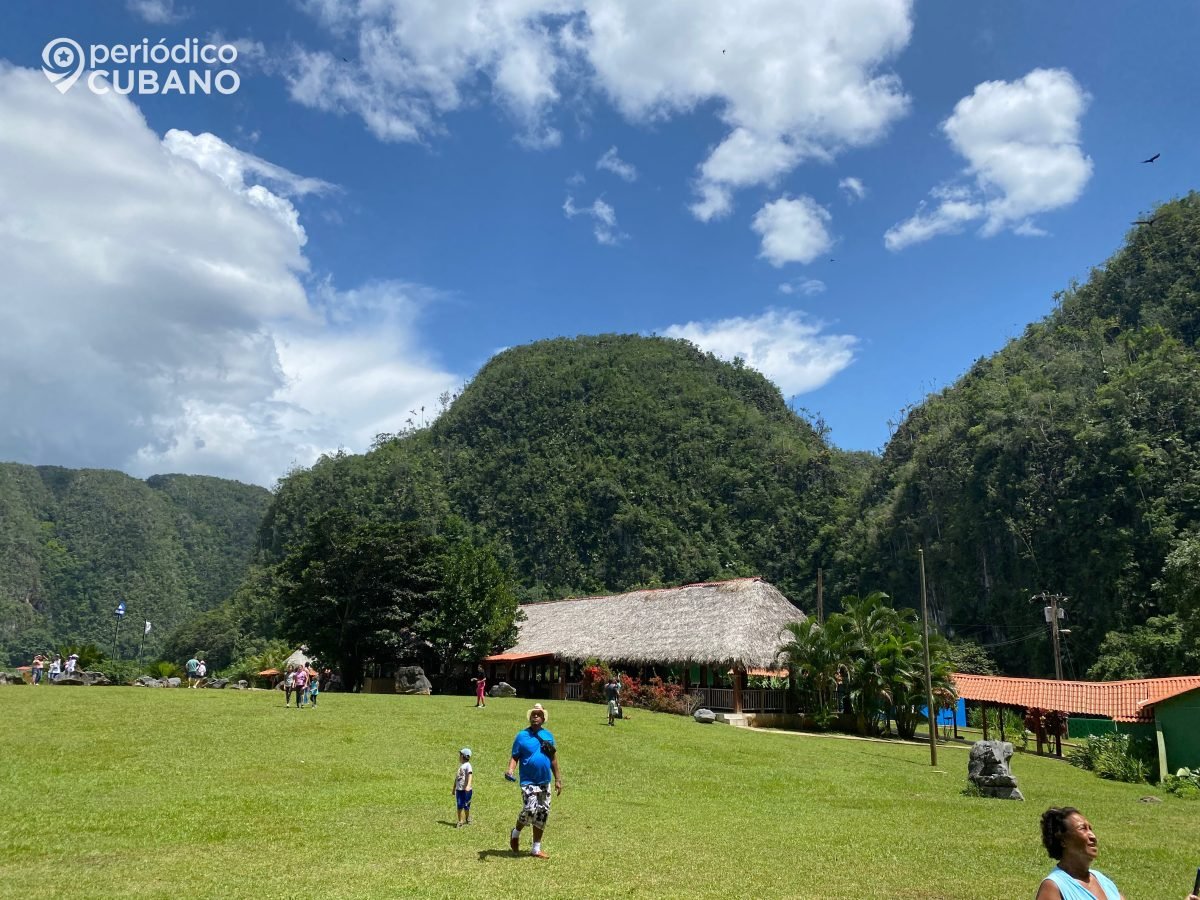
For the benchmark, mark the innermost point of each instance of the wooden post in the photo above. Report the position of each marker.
(929, 707)
(738, 675)
(983, 709)
(820, 596)
(562, 680)
(1000, 716)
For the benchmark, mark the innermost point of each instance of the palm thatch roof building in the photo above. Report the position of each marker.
(719, 625)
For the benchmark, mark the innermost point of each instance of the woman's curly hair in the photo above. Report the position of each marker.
(1054, 826)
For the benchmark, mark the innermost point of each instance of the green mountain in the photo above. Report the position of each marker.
(603, 463)
(75, 543)
(1068, 462)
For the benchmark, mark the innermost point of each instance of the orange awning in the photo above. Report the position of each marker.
(517, 657)
(269, 672)
(768, 673)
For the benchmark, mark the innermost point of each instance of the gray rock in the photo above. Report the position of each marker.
(988, 769)
(412, 680)
(173, 682)
(217, 683)
(503, 689)
(75, 679)
(704, 716)
(1150, 800)
(241, 685)
(11, 678)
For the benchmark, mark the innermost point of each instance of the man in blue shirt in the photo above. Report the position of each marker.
(534, 749)
(192, 666)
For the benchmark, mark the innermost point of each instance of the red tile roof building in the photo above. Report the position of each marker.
(1121, 701)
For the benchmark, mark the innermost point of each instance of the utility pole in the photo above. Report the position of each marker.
(1054, 614)
(820, 595)
(930, 708)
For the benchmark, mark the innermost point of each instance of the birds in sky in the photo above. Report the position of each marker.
(1152, 159)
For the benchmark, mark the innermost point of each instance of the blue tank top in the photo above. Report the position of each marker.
(1073, 890)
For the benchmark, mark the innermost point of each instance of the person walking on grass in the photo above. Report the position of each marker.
(56, 665)
(314, 691)
(201, 672)
(289, 685)
(612, 693)
(536, 753)
(191, 666)
(300, 685)
(464, 786)
(38, 667)
(480, 681)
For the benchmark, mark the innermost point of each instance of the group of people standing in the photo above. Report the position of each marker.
(55, 668)
(306, 683)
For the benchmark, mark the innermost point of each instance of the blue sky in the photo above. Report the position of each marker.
(859, 198)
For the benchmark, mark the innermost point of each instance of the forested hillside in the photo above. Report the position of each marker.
(1069, 462)
(604, 463)
(75, 543)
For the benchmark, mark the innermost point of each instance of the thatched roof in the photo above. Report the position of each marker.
(717, 623)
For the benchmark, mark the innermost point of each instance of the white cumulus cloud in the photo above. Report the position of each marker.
(791, 80)
(156, 305)
(793, 230)
(1021, 141)
(786, 346)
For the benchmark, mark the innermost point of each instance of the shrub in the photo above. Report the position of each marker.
(163, 669)
(120, 671)
(1185, 783)
(1113, 756)
(655, 695)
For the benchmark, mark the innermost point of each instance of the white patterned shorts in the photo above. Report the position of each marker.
(536, 808)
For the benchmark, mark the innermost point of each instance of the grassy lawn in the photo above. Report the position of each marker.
(127, 792)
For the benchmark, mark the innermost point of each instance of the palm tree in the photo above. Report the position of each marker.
(863, 628)
(814, 662)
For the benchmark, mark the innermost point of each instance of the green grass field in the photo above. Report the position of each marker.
(126, 792)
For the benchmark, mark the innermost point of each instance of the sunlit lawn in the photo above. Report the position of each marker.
(123, 792)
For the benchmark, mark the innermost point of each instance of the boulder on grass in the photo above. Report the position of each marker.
(704, 716)
(503, 689)
(988, 770)
(412, 680)
(217, 683)
(173, 682)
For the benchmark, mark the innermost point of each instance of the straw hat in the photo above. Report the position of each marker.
(537, 707)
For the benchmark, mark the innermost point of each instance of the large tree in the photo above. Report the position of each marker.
(358, 592)
(354, 591)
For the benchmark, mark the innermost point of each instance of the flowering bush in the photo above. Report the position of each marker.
(655, 694)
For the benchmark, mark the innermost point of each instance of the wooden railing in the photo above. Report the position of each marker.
(753, 700)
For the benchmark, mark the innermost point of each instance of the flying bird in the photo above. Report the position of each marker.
(344, 59)
(1152, 159)
(1149, 221)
